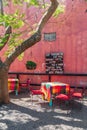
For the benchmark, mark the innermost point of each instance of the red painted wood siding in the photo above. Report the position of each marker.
(71, 39)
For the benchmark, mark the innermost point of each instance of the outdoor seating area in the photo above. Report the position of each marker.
(49, 91)
(43, 65)
(55, 105)
(21, 114)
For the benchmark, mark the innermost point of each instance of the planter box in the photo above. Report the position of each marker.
(30, 67)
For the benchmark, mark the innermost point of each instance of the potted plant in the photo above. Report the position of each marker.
(31, 65)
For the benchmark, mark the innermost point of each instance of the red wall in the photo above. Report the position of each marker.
(71, 39)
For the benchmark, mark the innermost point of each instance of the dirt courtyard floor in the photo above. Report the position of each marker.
(23, 114)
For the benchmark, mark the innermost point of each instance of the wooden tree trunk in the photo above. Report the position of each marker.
(36, 37)
(4, 95)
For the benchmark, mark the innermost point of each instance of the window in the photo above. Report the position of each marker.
(50, 36)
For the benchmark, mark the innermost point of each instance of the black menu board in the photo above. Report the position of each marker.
(54, 63)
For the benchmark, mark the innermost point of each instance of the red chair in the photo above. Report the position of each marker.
(64, 95)
(66, 98)
(35, 92)
(25, 86)
(78, 94)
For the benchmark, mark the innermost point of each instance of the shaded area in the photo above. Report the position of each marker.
(23, 114)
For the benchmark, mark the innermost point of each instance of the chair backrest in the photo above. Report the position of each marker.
(63, 90)
(81, 87)
(84, 86)
(28, 81)
(28, 84)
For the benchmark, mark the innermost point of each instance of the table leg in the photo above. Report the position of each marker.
(16, 92)
(50, 103)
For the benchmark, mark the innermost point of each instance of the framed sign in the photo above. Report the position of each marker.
(54, 63)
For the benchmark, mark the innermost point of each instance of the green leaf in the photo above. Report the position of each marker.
(32, 2)
(59, 10)
(1, 44)
(20, 57)
(18, 2)
(3, 39)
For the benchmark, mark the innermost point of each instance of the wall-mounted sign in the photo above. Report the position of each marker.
(54, 63)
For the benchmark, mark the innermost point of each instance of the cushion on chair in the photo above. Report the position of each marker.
(62, 96)
(77, 94)
(23, 85)
(37, 92)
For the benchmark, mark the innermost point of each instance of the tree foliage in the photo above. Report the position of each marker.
(17, 20)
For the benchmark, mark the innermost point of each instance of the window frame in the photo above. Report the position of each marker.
(51, 36)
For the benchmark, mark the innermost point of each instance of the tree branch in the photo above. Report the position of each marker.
(34, 38)
(7, 35)
(47, 15)
(1, 7)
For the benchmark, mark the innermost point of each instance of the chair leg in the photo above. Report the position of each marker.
(80, 101)
(32, 98)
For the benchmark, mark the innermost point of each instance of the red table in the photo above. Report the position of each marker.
(52, 88)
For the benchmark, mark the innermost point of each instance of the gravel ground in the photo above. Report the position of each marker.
(23, 114)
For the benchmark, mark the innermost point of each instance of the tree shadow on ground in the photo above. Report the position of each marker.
(39, 116)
